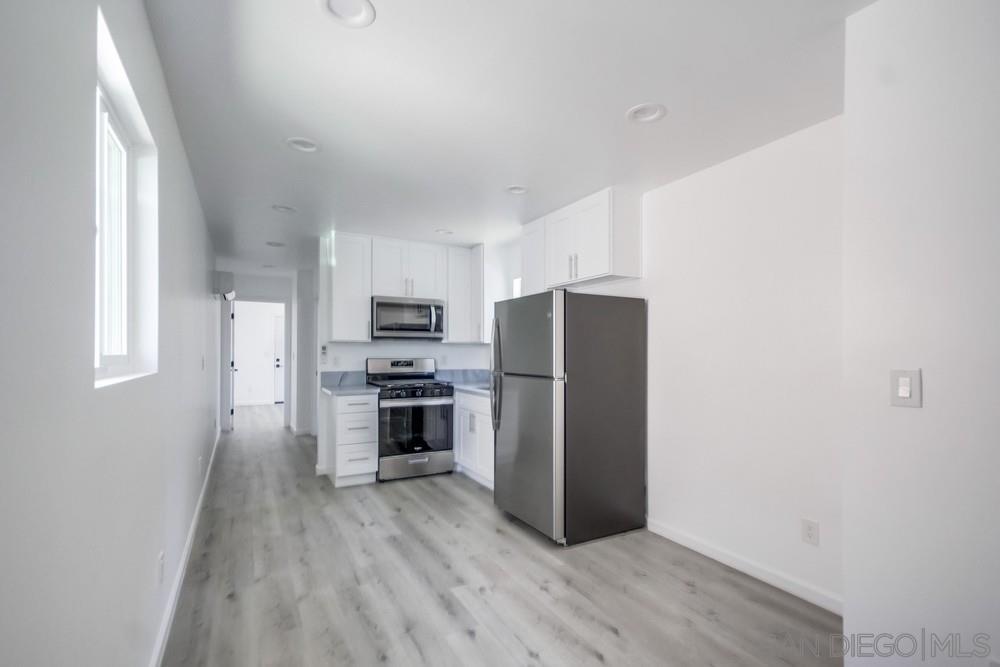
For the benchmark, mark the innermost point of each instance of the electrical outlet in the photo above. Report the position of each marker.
(444, 360)
(810, 532)
(160, 561)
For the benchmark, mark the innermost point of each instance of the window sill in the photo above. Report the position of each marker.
(118, 379)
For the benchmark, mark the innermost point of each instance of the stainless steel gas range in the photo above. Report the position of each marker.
(415, 414)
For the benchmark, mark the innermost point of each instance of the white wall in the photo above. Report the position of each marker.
(742, 265)
(304, 353)
(94, 483)
(922, 290)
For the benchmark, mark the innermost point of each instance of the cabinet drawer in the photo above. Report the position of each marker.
(362, 403)
(357, 427)
(357, 459)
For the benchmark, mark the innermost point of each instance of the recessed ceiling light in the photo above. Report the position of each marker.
(302, 144)
(276, 244)
(351, 13)
(444, 231)
(648, 112)
(517, 189)
(283, 208)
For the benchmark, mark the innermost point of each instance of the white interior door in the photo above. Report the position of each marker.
(279, 360)
(254, 348)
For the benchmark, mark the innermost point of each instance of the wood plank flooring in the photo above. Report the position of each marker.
(287, 570)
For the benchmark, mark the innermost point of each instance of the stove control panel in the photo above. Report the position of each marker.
(432, 391)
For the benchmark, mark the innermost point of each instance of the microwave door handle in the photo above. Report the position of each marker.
(433, 318)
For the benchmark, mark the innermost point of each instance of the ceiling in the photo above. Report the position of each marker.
(424, 118)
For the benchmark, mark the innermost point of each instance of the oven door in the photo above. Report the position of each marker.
(414, 426)
(399, 317)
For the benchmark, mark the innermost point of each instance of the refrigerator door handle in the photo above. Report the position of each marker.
(496, 353)
(496, 394)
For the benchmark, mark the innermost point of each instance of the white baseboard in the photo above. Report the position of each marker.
(175, 590)
(301, 431)
(324, 471)
(800, 589)
(474, 476)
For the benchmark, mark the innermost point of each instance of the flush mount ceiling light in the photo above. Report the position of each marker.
(276, 244)
(517, 189)
(283, 208)
(267, 266)
(446, 232)
(646, 113)
(302, 144)
(351, 13)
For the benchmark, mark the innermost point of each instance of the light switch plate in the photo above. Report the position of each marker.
(905, 389)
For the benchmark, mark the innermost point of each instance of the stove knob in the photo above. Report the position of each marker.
(418, 392)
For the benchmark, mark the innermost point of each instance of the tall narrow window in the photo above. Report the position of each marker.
(126, 224)
(112, 295)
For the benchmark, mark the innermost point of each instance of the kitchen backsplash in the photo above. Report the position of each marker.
(351, 356)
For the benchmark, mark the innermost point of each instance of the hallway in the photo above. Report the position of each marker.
(288, 571)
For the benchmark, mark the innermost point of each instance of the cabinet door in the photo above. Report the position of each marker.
(482, 426)
(427, 269)
(461, 324)
(480, 327)
(533, 258)
(351, 293)
(466, 453)
(558, 248)
(389, 276)
(590, 221)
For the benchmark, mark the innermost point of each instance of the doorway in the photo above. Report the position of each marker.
(258, 350)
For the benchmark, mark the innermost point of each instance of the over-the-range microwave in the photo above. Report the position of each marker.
(407, 317)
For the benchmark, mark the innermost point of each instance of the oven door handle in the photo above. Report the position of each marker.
(415, 402)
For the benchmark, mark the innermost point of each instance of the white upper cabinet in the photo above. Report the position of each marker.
(464, 309)
(404, 268)
(389, 276)
(351, 288)
(428, 269)
(533, 258)
(595, 238)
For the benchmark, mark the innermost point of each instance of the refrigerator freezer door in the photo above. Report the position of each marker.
(528, 335)
(529, 478)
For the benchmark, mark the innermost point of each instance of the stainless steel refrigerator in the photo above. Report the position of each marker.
(568, 394)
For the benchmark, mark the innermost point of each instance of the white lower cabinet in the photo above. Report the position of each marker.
(474, 437)
(357, 459)
(348, 439)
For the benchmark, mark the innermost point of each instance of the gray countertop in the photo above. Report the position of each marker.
(477, 389)
(352, 383)
(350, 390)
(349, 383)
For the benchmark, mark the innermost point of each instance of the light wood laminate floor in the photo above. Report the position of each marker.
(287, 570)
